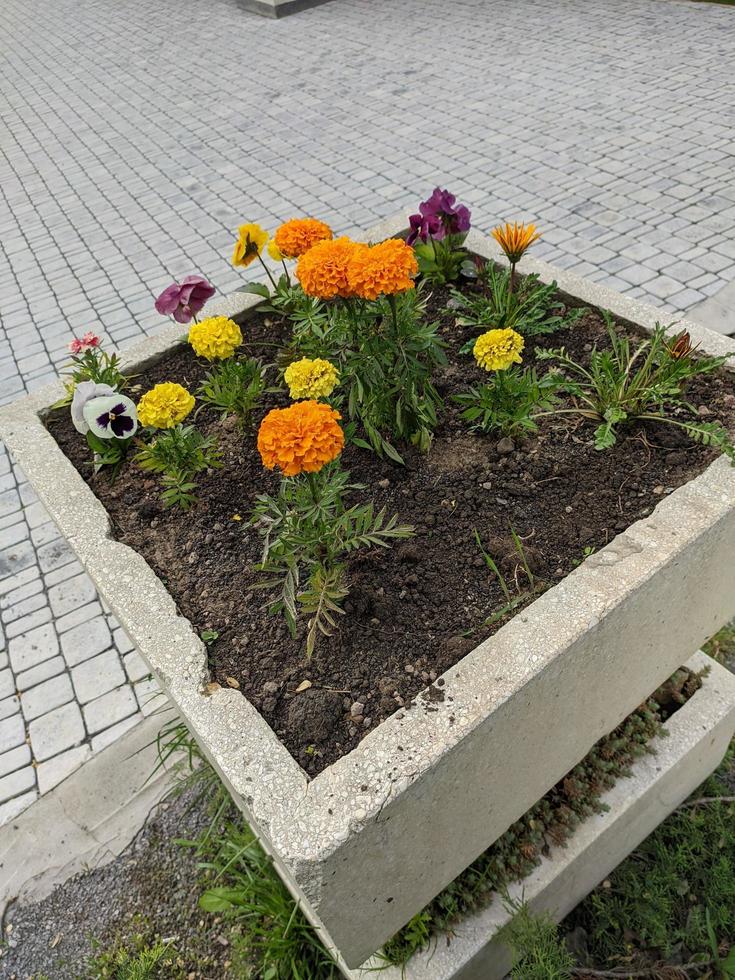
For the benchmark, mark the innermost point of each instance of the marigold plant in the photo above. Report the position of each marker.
(322, 271)
(215, 338)
(250, 243)
(497, 350)
(301, 438)
(165, 405)
(307, 529)
(309, 378)
(295, 237)
(382, 270)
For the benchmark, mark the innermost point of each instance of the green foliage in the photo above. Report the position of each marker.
(386, 354)
(271, 936)
(676, 893)
(510, 401)
(107, 452)
(307, 531)
(285, 298)
(721, 646)
(97, 365)
(530, 309)
(179, 454)
(624, 383)
(441, 262)
(550, 821)
(137, 961)
(234, 388)
(538, 951)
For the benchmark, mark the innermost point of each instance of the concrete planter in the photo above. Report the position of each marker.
(278, 8)
(697, 738)
(369, 841)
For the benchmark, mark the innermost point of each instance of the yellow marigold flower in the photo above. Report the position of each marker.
(322, 271)
(164, 406)
(250, 243)
(274, 251)
(215, 338)
(515, 239)
(301, 438)
(311, 379)
(497, 350)
(297, 236)
(382, 269)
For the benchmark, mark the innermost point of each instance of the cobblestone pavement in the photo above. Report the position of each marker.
(136, 136)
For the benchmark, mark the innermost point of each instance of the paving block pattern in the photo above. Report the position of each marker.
(124, 164)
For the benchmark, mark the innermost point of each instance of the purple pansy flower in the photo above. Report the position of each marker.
(84, 392)
(424, 227)
(111, 416)
(183, 300)
(455, 218)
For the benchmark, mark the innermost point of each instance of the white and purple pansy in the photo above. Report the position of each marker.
(85, 391)
(111, 416)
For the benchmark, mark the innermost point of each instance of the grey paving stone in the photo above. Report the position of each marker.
(97, 676)
(109, 709)
(12, 732)
(42, 672)
(9, 706)
(71, 595)
(15, 806)
(33, 647)
(36, 701)
(51, 773)
(56, 731)
(85, 640)
(109, 735)
(135, 667)
(16, 758)
(17, 782)
(27, 623)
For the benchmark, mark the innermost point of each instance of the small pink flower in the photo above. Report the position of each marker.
(76, 346)
(90, 339)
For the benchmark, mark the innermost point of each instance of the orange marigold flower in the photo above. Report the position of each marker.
(298, 235)
(515, 239)
(382, 269)
(301, 438)
(322, 271)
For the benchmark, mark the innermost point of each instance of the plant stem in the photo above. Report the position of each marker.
(512, 283)
(394, 312)
(285, 269)
(268, 271)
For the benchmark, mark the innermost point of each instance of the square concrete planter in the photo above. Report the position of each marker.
(697, 738)
(369, 841)
(279, 8)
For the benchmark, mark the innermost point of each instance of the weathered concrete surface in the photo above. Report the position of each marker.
(279, 8)
(510, 724)
(718, 312)
(699, 734)
(86, 820)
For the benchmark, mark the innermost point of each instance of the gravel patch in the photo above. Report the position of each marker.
(152, 888)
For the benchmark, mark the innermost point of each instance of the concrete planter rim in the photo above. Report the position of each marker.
(311, 824)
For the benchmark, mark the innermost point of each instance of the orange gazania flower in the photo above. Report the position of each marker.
(322, 271)
(297, 236)
(515, 239)
(301, 438)
(681, 346)
(382, 270)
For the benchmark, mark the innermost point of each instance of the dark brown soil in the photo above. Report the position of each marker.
(414, 610)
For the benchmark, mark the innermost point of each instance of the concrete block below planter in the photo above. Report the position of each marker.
(698, 737)
(278, 8)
